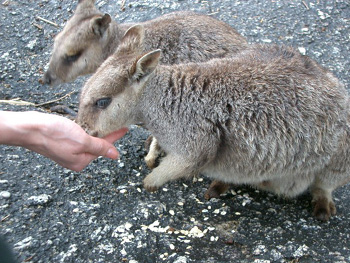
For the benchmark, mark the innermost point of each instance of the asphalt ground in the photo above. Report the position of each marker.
(103, 214)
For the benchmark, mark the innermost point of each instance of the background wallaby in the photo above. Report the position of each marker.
(268, 117)
(90, 36)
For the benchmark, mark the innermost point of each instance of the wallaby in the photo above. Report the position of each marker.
(90, 36)
(267, 117)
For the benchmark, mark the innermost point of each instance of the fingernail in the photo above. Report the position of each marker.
(112, 153)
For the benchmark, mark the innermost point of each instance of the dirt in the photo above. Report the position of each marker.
(103, 214)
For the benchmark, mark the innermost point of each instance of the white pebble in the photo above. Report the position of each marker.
(5, 194)
(302, 50)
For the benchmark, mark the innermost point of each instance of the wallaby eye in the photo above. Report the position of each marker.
(72, 58)
(103, 103)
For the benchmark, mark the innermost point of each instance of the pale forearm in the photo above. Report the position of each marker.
(17, 128)
(56, 137)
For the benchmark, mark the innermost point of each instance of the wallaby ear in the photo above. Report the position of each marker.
(86, 1)
(132, 40)
(99, 24)
(146, 64)
(85, 4)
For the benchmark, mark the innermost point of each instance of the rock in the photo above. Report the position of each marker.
(39, 200)
(5, 194)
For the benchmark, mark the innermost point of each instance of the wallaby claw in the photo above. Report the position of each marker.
(148, 184)
(324, 209)
(150, 189)
(215, 189)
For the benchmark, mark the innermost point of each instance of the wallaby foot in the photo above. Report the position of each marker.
(171, 168)
(154, 151)
(215, 189)
(323, 204)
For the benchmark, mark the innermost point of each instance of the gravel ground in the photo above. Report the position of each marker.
(103, 214)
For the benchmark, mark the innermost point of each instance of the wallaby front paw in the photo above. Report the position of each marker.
(150, 161)
(149, 185)
(152, 147)
(324, 209)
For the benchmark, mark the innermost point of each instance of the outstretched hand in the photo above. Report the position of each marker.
(57, 138)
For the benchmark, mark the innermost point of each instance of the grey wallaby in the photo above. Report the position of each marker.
(267, 117)
(90, 37)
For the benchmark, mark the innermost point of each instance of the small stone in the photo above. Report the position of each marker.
(302, 50)
(5, 194)
(181, 259)
(31, 44)
(322, 15)
(27, 242)
(39, 200)
(106, 172)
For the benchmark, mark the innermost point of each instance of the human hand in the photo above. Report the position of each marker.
(57, 138)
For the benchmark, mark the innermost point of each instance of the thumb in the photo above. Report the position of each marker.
(101, 147)
(114, 136)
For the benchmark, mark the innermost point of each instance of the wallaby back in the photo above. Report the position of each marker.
(267, 117)
(90, 36)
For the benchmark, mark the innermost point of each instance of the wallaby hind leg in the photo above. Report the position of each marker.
(322, 202)
(171, 167)
(215, 189)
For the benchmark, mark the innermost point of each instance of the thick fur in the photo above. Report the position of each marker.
(268, 117)
(92, 37)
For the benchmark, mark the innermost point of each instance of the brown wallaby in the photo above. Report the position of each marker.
(90, 37)
(268, 117)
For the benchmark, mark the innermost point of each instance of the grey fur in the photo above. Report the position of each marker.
(92, 37)
(267, 117)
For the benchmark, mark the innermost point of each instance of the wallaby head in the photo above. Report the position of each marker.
(110, 97)
(79, 48)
